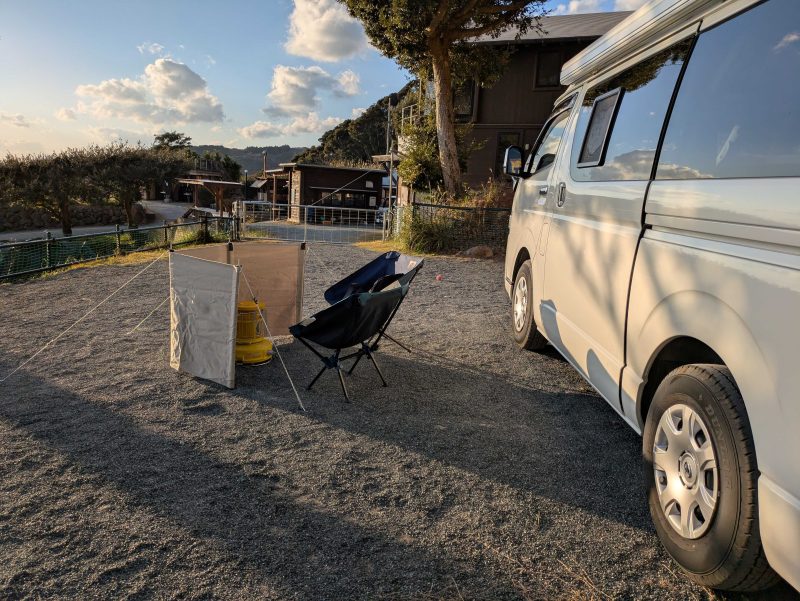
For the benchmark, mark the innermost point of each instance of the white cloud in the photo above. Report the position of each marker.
(304, 124)
(66, 114)
(324, 31)
(787, 40)
(150, 48)
(17, 120)
(628, 4)
(295, 90)
(261, 129)
(578, 6)
(311, 124)
(167, 92)
(357, 112)
(111, 134)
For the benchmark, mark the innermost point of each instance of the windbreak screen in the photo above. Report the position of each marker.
(203, 301)
(274, 272)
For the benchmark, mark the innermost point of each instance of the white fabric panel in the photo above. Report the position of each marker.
(203, 301)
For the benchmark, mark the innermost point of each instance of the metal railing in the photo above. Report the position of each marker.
(35, 256)
(311, 223)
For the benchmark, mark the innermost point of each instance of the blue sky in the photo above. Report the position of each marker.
(239, 73)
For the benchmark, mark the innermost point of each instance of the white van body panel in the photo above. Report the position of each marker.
(716, 260)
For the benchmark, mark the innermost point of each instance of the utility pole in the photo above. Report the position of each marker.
(388, 124)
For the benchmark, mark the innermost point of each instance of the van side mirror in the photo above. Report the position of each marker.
(512, 163)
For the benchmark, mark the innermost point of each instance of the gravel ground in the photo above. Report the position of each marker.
(480, 472)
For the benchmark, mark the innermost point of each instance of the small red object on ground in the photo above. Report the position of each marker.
(439, 277)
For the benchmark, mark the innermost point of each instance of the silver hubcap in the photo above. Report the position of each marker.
(685, 467)
(520, 303)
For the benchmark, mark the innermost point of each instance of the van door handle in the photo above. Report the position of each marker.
(562, 189)
(542, 190)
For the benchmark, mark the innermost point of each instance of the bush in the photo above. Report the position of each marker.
(438, 234)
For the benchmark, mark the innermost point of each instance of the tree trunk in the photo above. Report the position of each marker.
(128, 206)
(65, 216)
(445, 127)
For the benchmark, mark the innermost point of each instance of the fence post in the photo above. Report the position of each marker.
(166, 233)
(119, 241)
(305, 223)
(204, 228)
(47, 249)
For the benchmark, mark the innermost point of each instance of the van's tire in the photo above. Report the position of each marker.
(522, 325)
(719, 544)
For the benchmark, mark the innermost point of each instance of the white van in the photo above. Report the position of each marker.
(655, 242)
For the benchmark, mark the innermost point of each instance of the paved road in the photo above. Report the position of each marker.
(315, 233)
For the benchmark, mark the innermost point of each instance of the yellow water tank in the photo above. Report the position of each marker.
(252, 347)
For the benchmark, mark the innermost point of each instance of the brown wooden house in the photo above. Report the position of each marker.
(301, 184)
(515, 108)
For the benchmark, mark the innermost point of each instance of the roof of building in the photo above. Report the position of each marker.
(583, 25)
(315, 166)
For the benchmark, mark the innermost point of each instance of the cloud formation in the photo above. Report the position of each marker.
(787, 40)
(17, 120)
(295, 90)
(628, 4)
(66, 114)
(304, 124)
(578, 6)
(167, 92)
(150, 48)
(111, 134)
(323, 30)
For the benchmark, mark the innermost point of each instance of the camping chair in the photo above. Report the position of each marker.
(376, 275)
(351, 322)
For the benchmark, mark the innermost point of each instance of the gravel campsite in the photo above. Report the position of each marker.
(481, 472)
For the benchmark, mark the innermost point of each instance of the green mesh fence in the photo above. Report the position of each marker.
(33, 256)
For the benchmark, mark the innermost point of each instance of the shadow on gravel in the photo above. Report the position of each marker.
(299, 550)
(571, 448)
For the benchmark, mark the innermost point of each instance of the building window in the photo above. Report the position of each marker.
(464, 101)
(368, 184)
(548, 69)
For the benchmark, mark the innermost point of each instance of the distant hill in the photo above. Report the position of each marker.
(250, 158)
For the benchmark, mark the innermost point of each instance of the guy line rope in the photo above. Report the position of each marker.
(80, 319)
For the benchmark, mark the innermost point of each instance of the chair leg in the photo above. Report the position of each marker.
(353, 366)
(398, 343)
(314, 381)
(368, 353)
(341, 381)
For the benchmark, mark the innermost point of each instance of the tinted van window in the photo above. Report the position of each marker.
(631, 144)
(737, 112)
(546, 152)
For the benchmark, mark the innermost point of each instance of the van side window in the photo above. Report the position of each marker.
(545, 153)
(736, 113)
(627, 150)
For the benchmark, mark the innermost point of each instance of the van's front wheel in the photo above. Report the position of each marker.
(522, 325)
(701, 473)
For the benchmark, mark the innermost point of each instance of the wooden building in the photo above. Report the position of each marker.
(301, 184)
(515, 108)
